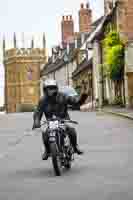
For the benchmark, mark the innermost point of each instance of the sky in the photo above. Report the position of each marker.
(35, 17)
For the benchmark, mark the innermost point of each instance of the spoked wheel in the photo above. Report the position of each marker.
(55, 159)
(68, 165)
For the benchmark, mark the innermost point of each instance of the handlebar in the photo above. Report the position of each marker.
(70, 121)
(62, 121)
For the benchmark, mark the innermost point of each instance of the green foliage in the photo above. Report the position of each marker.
(113, 55)
(111, 39)
(115, 62)
(118, 101)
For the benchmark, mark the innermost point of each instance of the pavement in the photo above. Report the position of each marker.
(123, 112)
(104, 172)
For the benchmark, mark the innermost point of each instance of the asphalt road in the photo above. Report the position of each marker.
(104, 172)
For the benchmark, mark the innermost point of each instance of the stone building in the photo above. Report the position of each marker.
(63, 61)
(118, 15)
(22, 75)
(125, 26)
(82, 80)
(60, 66)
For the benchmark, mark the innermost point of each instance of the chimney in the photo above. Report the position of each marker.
(81, 5)
(85, 18)
(108, 5)
(67, 27)
(87, 5)
(71, 17)
(68, 48)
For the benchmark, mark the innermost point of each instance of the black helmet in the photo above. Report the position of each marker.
(50, 87)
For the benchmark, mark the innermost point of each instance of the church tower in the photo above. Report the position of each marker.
(22, 75)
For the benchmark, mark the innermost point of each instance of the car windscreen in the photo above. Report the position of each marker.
(68, 91)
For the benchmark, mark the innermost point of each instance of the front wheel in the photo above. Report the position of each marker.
(55, 159)
(68, 165)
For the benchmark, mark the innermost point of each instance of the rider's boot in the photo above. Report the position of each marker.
(78, 150)
(45, 155)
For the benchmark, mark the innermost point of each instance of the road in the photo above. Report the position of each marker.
(105, 172)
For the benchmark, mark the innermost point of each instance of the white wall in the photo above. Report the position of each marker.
(61, 75)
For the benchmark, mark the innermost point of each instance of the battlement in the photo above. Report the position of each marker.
(24, 52)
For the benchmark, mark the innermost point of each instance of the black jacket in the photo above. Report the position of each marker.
(57, 107)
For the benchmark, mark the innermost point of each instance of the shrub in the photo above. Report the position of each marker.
(118, 101)
(114, 55)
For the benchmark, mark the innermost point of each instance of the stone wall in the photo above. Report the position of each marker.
(22, 75)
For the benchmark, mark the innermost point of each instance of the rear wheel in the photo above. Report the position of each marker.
(68, 163)
(55, 159)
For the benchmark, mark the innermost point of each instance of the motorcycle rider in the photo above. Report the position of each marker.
(54, 103)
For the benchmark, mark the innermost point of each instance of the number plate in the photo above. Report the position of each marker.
(52, 139)
(53, 124)
(52, 134)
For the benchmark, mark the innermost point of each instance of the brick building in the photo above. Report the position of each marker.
(22, 75)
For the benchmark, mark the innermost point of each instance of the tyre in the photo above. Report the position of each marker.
(68, 165)
(55, 159)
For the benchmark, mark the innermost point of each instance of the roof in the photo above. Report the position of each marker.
(98, 30)
(84, 65)
(95, 26)
(59, 62)
(95, 23)
(89, 37)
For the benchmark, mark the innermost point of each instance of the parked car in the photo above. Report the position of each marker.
(70, 91)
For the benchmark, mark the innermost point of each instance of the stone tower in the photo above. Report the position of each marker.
(67, 27)
(85, 18)
(22, 76)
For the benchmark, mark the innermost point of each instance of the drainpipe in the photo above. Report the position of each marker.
(101, 75)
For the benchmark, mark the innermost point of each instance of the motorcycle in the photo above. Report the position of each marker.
(61, 150)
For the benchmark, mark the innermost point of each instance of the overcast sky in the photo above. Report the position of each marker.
(35, 17)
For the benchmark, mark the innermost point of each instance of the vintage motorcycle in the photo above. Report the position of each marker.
(61, 150)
